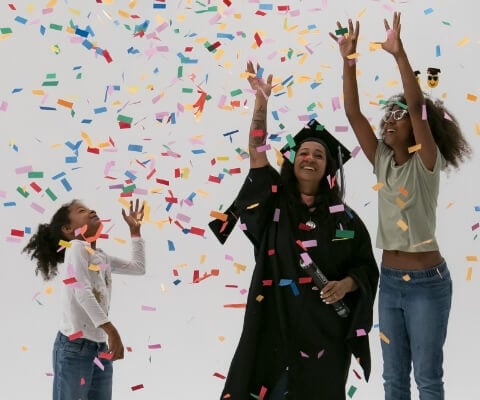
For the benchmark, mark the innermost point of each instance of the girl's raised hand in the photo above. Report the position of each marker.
(134, 217)
(258, 83)
(393, 43)
(347, 42)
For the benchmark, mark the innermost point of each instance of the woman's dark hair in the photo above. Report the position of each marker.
(445, 130)
(43, 245)
(325, 194)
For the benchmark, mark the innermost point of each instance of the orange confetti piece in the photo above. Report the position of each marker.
(402, 225)
(65, 103)
(384, 338)
(235, 305)
(472, 97)
(413, 149)
(406, 277)
(469, 273)
(377, 186)
(218, 215)
(472, 258)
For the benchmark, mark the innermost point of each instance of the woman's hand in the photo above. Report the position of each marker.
(262, 87)
(347, 43)
(134, 217)
(336, 290)
(393, 43)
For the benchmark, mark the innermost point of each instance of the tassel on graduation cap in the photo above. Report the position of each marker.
(314, 131)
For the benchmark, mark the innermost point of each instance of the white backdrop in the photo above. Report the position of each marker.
(61, 101)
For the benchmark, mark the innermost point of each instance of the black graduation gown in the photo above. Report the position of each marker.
(287, 327)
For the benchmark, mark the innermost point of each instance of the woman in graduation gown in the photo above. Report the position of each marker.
(294, 345)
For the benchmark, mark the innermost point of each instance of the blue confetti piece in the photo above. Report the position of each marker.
(285, 282)
(87, 44)
(477, 208)
(159, 5)
(285, 81)
(20, 20)
(260, 72)
(71, 160)
(130, 175)
(275, 115)
(428, 11)
(66, 185)
(294, 287)
(171, 246)
(81, 32)
(228, 36)
(135, 147)
(177, 282)
(198, 151)
(42, 30)
(314, 85)
(45, 108)
(172, 118)
(438, 51)
(86, 121)
(9, 204)
(16, 90)
(265, 7)
(191, 196)
(100, 110)
(27, 230)
(58, 176)
(169, 206)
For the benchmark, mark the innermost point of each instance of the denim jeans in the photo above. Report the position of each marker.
(76, 376)
(413, 313)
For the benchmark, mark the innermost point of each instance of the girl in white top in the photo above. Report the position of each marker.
(82, 358)
(418, 140)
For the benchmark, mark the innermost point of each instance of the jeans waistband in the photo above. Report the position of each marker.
(438, 270)
(86, 342)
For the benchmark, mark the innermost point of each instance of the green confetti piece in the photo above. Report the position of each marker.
(446, 23)
(311, 106)
(52, 75)
(124, 118)
(290, 141)
(35, 174)
(23, 192)
(351, 391)
(344, 234)
(50, 83)
(56, 27)
(320, 127)
(79, 76)
(5, 31)
(281, 126)
(401, 105)
(129, 188)
(51, 194)
(187, 90)
(341, 31)
(236, 92)
(180, 71)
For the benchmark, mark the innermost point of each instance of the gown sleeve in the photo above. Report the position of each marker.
(364, 271)
(253, 206)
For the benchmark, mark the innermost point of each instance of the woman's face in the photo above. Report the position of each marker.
(81, 217)
(310, 162)
(397, 128)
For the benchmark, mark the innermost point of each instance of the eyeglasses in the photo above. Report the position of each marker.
(396, 114)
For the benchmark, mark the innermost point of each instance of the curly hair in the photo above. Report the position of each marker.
(445, 130)
(43, 245)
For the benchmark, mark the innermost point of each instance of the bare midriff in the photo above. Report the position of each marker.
(411, 261)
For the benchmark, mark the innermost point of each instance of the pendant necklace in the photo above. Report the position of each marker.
(311, 224)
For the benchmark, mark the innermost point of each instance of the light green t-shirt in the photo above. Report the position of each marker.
(407, 202)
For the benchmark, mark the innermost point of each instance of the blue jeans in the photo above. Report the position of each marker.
(76, 376)
(413, 313)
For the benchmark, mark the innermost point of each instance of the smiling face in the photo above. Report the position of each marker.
(81, 216)
(310, 162)
(397, 128)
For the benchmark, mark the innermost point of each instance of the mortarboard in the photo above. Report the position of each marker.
(312, 131)
(316, 132)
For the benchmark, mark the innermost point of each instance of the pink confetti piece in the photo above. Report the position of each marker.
(336, 208)
(10, 239)
(309, 243)
(154, 346)
(37, 208)
(23, 170)
(355, 151)
(424, 112)
(361, 332)
(276, 215)
(149, 308)
(3, 106)
(304, 355)
(336, 103)
(320, 354)
(306, 258)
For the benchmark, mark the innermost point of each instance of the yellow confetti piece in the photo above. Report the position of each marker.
(361, 12)
(400, 202)
(463, 42)
(74, 11)
(124, 202)
(24, 348)
(93, 267)
(49, 290)
(406, 277)
(377, 186)
(373, 46)
(123, 14)
(219, 54)
(163, 288)
(38, 92)
(403, 191)
(422, 243)
(384, 338)
(469, 274)
(89, 249)
(221, 338)
(392, 83)
(450, 205)
(402, 225)
(64, 243)
(353, 56)
(202, 193)
(119, 240)
(252, 206)
(472, 258)
(413, 149)
(259, 298)
(477, 128)
(472, 97)
(203, 257)
(239, 267)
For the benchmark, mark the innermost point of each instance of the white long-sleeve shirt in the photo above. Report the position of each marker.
(87, 286)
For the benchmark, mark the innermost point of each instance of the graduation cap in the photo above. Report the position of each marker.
(313, 131)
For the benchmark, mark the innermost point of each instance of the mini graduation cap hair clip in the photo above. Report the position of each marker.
(316, 132)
